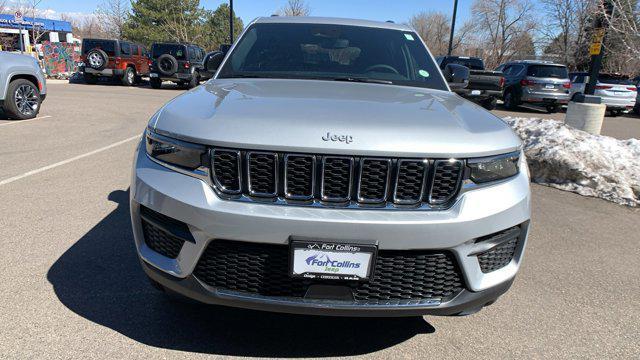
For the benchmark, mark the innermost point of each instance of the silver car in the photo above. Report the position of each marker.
(328, 169)
(617, 92)
(22, 86)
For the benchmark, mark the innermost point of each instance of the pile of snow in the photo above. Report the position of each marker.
(573, 160)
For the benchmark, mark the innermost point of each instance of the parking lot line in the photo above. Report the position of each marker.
(24, 121)
(63, 162)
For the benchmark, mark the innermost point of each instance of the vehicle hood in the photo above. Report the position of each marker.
(303, 115)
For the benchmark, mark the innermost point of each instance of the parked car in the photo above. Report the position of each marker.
(618, 92)
(532, 82)
(321, 172)
(117, 59)
(180, 63)
(485, 86)
(23, 87)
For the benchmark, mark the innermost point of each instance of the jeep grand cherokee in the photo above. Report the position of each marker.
(328, 169)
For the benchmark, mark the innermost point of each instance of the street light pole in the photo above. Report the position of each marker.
(230, 22)
(453, 26)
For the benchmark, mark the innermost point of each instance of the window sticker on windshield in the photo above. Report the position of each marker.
(423, 73)
(408, 37)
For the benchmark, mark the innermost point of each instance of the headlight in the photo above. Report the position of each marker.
(494, 168)
(175, 152)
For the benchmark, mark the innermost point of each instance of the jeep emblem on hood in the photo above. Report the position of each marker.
(341, 138)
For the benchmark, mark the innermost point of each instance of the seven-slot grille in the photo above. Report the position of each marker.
(329, 179)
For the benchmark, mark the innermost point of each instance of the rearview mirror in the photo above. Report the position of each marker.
(214, 60)
(456, 75)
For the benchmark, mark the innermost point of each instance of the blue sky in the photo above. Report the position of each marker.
(398, 10)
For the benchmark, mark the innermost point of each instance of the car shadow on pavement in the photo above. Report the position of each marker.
(100, 279)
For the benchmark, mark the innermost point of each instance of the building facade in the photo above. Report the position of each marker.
(34, 31)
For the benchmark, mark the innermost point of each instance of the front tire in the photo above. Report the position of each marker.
(129, 77)
(23, 100)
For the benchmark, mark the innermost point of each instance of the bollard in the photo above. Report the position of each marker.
(586, 117)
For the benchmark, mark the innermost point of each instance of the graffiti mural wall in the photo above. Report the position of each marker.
(59, 59)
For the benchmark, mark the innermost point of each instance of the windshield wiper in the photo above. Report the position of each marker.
(363, 79)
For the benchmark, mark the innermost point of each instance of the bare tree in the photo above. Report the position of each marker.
(565, 26)
(295, 8)
(433, 27)
(501, 24)
(113, 14)
(624, 22)
(3, 6)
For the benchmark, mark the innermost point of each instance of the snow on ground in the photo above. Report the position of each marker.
(573, 160)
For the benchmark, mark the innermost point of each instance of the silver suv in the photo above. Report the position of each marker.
(328, 169)
(22, 86)
(539, 83)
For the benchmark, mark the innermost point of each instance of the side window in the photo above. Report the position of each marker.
(125, 49)
(516, 70)
(506, 70)
(134, 50)
(579, 79)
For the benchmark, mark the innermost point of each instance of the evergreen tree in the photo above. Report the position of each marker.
(216, 27)
(165, 20)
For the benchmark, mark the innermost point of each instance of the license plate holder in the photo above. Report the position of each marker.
(476, 92)
(153, 75)
(326, 260)
(549, 86)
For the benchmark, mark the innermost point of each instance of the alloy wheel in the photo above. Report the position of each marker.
(26, 100)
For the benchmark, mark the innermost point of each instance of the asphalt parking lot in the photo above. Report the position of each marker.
(71, 285)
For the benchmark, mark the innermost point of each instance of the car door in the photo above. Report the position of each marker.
(143, 60)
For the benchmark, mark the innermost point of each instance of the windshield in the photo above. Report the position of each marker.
(178, 51)
(333, 52)
(548, 71)
(108, 46)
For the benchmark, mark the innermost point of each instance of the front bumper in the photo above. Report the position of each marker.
(476, 213)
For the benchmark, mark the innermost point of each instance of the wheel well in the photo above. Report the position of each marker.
(31, 78)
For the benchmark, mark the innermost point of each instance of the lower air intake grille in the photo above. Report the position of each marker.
(500, 255)
(161, 241)
(263, 269)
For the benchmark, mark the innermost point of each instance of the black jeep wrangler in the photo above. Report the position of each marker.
(176, 62)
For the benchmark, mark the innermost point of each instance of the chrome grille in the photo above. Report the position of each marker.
(227, 171)
(299, 175)
(329, 180)
(410, 181)
(446, 180)
(373, 182)
(262, 173)
(337, 178)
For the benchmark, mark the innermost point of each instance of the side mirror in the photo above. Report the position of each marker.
(214, 60)
(225, 48)
(456, 75)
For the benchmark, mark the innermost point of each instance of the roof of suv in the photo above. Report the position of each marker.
(533, 62)
(331, 21)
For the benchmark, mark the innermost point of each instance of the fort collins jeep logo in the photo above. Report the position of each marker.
(347, 139)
